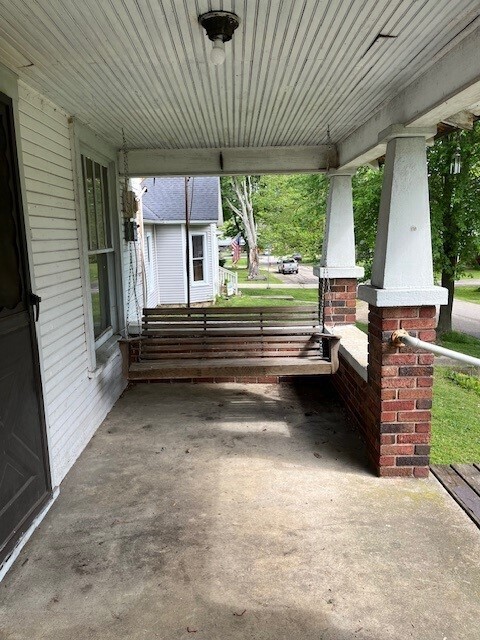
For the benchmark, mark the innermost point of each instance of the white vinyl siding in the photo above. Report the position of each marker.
(171, 278)
(170, 264)
(150, 266)
(75, 404)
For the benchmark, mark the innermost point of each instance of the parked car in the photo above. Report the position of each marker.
(287, 265)
(297, 257)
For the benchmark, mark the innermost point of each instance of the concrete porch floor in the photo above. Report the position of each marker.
(230, 511)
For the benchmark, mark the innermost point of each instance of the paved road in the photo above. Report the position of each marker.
(466, 317)
(303, 277)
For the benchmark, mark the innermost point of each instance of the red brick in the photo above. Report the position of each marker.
(387, 461)
(423, 404)
(387, 439)
(388, 394)
(389, 371)
(407, 461)
(418, 323)
(397, 427)
(398, 449)
(426, 358)
(400, 358)
(424, 427)
(406, 394)
(427, 312)
(413, 438)
(397, 383)
(421, 472)
(387, 416)
(414, 416)
(400, 312)
(392, 472)
(427, 336)
(399, 405)
(425, 382)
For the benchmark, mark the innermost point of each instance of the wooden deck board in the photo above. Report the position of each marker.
(462, 481)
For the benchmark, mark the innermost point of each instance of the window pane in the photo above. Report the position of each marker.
(197, 244)
(198, 270)
(106, 214)
(90, 203)
(99, 207)
(98, 266)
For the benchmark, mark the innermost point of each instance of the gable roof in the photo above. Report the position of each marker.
(164, 200)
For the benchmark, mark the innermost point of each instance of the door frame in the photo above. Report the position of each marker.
(10, 103)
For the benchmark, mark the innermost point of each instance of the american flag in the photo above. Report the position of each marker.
(236, 251)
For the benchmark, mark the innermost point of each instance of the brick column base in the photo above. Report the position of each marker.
(400, 382)
(339, 300)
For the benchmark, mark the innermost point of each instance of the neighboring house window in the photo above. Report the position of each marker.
(101, 253)
(198, 257)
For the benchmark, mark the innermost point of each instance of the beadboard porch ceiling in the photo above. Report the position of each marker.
(293, 68)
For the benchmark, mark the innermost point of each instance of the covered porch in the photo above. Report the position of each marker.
(241, 511)
(94, 94)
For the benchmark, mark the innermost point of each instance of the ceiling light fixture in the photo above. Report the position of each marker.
(219, 26)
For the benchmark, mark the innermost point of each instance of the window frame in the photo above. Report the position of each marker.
(87, 143)
(206, 280)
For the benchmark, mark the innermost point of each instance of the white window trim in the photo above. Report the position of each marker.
(206, 270)
(85, 142)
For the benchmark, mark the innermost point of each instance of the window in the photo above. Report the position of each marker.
(198, 257)
(101, 256)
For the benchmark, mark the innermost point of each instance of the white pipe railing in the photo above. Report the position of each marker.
(401, 338)
(228, 281)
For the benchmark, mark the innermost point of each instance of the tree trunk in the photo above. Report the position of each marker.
(445, 317)
(253, 263)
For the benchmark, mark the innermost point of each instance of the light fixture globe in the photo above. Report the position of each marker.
(219, 26)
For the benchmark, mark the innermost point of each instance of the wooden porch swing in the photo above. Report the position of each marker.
(212, 342)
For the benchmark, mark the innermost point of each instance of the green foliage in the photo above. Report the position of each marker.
(367, 188)
(291, 213)
(461, 342)
(455, 424)
(471, 383)
(455, 201)
(469, 294)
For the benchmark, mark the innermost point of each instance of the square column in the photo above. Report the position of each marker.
(396, 420)
(337, 271)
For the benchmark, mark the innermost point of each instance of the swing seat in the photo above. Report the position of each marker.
(220, 342)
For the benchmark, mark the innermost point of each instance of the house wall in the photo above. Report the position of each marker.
(150, 270)
(205, 292)
(170, 272)
(76, 399)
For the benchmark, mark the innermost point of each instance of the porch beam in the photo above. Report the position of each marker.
(232, 161)
(450, 85)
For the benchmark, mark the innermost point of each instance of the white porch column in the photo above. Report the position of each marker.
(402, 273)
(338, 254)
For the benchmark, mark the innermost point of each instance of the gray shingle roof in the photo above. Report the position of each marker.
(164, 200)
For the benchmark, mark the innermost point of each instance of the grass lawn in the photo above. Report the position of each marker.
(460, 342)
(249, 298)
(241, 271)
(472, 273)
(455, 422)
(468, 293)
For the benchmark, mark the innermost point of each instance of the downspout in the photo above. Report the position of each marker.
(187, 244)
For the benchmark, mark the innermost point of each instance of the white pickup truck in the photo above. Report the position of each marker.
(287, 265)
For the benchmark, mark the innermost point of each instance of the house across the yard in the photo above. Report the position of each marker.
(165, 239)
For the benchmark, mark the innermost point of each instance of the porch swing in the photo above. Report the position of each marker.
(221, 342)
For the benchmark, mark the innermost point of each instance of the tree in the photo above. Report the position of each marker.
(290, 211)
(367, 189)
(239, 198)
(454, 205)
(455, 209)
